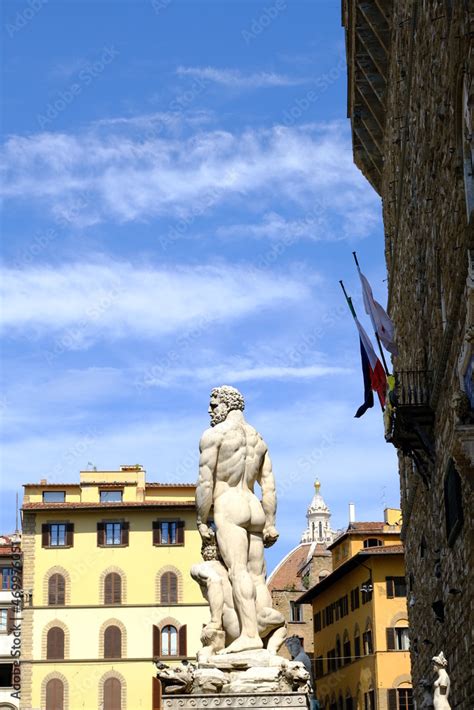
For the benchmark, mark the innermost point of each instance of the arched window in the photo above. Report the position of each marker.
(349, 701)
(113, 588)
(373, 542)
(112, 642)
(320, 530)
(357, 642)
(338, 652)
(169, 588)
(340, 702)
(54, 695)
(346, 648)
(56, 590)
(112, 694)
(169, 641)
(468, 144)
(55, 644)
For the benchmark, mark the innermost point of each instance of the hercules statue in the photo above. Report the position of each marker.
(233, 457)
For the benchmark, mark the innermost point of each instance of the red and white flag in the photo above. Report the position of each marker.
(381, 321)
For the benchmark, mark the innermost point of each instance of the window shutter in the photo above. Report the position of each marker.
(55, 644)
(124, 533)
(390, 587)
(10, 619)
(116, 588)
(180, 532)
(156, 693)
(156, 642)
(112, 694)
(173, 588)
(156, 532)
(54, 695)
(61, 590)
(183, 647)
(390, 639)
(392, 699)
(100, 534)
(164, 595)
(108, 589)
(70, 534)
(45, 535)
(112, 642)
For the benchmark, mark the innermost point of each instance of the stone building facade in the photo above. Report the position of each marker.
(410, 74)
(303, 567)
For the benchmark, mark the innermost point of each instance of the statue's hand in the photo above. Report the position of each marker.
(270, 536)
(207, 533)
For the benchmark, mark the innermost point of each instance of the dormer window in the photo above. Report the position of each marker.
(111, 496)
(373, 542)
(54, 496)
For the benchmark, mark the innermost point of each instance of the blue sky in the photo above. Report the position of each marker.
(179, 205)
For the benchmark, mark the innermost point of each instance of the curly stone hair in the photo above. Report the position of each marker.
(231, 397)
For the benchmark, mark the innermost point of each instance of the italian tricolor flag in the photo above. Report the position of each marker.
(375, 379)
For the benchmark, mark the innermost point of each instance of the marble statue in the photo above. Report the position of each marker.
(233, 458)
(299, 655)
(223, 627)
(442, 683)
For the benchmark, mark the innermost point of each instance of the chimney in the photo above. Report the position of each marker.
(352, 513)
(43, 482)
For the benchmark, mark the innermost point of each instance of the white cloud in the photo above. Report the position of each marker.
(128, 177)
(274, 226)
(235, 79)
(89, 301)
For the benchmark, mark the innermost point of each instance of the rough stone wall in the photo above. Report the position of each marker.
(427, 242)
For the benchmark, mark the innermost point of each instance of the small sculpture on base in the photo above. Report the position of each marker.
(442, 683)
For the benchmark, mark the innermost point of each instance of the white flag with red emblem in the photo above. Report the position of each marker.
(381, 321)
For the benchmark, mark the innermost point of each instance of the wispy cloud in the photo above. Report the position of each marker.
(130, 177)
(235, 79)
(91, 301)
(274, 226)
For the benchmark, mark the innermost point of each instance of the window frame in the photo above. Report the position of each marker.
(46, 534)
(63, 641)
(4, 627)
(298, 608)
(163, 631)
(110, 642)
(102, 533)
(54, 493)
(9, 577)
(106, 491)
(55, 592)
(179, 532)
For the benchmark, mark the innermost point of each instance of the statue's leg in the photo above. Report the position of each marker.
(233, 545)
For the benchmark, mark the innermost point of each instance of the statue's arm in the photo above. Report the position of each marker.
(269, 501)
(209, 450)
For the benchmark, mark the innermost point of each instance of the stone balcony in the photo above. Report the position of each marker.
(367, 29)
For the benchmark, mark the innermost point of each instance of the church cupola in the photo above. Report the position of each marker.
(319, 520)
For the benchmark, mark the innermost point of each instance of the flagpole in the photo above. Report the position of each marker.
(375, 332)
(349, 301)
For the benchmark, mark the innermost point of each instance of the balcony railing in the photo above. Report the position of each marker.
(413, 388)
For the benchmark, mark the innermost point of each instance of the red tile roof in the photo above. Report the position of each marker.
(128, 504)
(384, 550)
(7, 550)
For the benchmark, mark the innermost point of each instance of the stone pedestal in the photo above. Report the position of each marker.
(257, 701)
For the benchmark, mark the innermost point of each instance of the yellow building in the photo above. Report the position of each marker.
(361, 623)
(106, 570)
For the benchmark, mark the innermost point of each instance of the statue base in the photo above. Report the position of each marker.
(257, 701)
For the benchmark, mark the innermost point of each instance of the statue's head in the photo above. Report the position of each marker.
(209, 551)
(439, 661)
(293, 645)
(224, 399)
